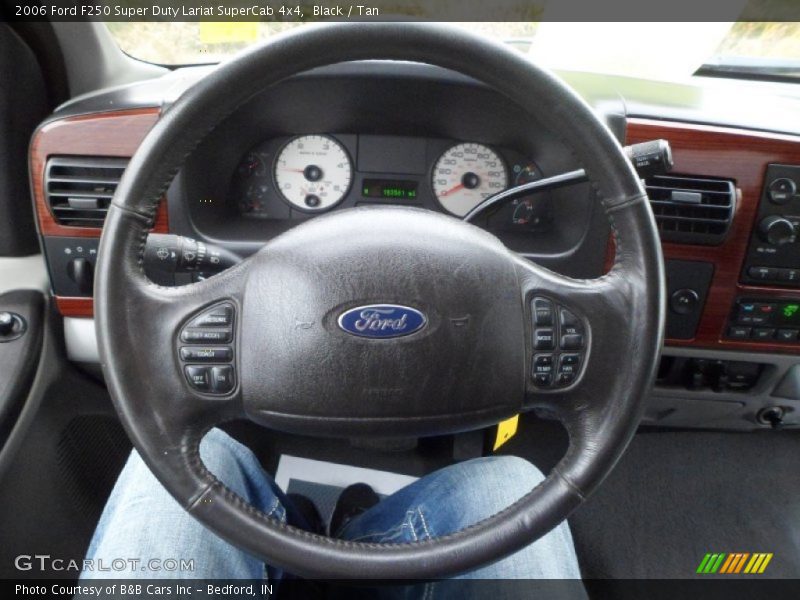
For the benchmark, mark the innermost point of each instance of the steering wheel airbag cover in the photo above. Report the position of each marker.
(299, 366)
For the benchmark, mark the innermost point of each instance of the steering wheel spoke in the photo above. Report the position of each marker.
(180, 343)
(578, 331)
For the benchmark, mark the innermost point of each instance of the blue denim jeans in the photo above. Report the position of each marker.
(141, 520)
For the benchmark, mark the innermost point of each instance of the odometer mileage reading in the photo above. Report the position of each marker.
(390, 189)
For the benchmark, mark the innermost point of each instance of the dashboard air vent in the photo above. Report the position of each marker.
(692, 210)
(79, 189)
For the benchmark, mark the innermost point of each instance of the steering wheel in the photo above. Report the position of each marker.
(380, 321)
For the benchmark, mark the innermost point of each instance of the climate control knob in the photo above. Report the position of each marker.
(777, 230)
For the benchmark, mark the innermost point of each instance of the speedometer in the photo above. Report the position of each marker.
(465, 175)
(313, 172)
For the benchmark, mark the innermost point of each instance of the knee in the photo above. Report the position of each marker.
(505, 478)
(221, 453)
(476, 490)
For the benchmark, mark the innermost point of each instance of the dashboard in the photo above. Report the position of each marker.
(299, 176)
(404, 134)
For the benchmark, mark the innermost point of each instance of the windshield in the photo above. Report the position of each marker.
(597, 47)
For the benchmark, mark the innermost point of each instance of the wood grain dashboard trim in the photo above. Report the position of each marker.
(741, 155)
(108, 134)
(75, 307)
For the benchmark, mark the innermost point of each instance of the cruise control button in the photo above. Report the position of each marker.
(543, 339)
(200, 354)
(222, 379)
(542, 312)
(219, 316)
(198, 377)
(543, 379)
(222, 336)
(787, 335)
(572, 341)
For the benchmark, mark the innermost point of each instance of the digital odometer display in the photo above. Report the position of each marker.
(389, 189)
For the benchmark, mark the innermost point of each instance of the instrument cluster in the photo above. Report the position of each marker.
(299, 176)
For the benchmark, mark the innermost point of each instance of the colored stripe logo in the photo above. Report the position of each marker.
(734, 563)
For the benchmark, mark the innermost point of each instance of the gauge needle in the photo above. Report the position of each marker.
(452, 190)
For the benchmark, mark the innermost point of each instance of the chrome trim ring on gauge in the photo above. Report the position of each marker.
(313, 172)
(465, 175)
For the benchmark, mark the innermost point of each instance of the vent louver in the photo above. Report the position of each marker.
(79, 189)
(692, 210)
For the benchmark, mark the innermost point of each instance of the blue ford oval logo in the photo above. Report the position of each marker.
(382, 321)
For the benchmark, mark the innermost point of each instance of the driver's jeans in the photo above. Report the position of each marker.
(141, 521)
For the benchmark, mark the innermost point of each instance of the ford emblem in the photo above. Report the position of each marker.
(382, 321)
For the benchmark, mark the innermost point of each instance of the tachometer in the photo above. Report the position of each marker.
(465, 175)
(313, 172)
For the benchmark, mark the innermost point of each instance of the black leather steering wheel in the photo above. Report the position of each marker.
(463, 363)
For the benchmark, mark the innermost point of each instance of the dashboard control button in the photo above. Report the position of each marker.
(565, 378)
(777, 230)
(542, 363)
(789, 275)
(570, 323)
(745, 314)
(219, 336)
(759, 319)
(202, 354)
(543, 339)
(684, 301)
(763, 273)
(753, 313)
(572, 360)
(763, 333)
(572, 341)
(739, 333)
(565, 369)
(765, 308)
(781, 190)
(559, 342)
(219, 316)
(542, 312)
(199, 377)
(787, 335)
(222, 379)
